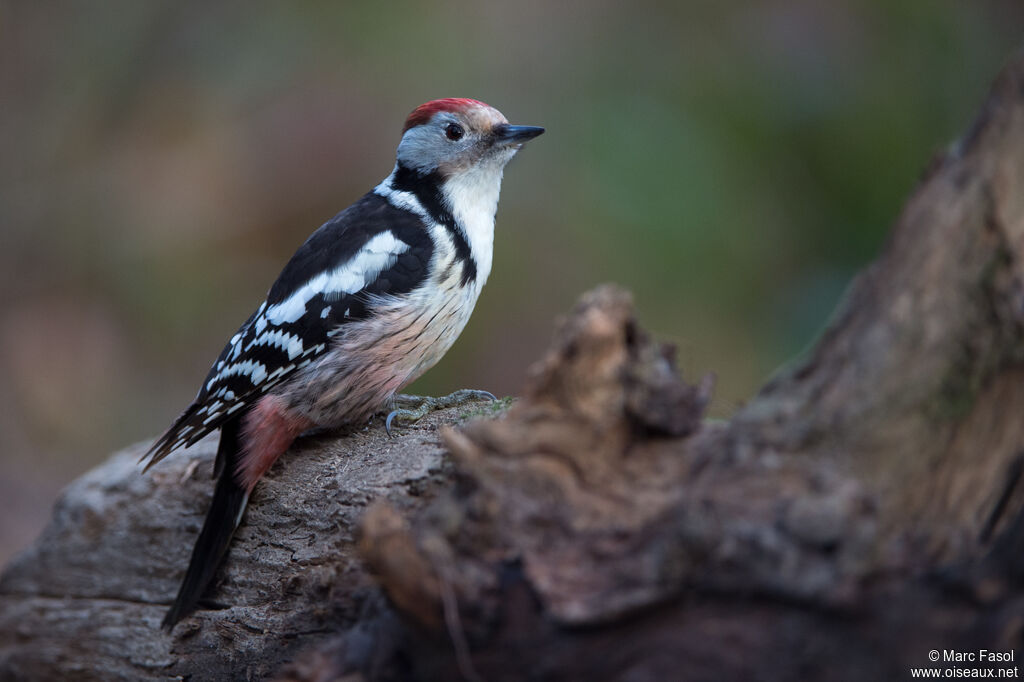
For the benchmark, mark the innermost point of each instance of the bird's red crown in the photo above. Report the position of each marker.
(425, 112)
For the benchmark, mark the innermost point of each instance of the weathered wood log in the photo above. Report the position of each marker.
(85, 601)
(862, 510)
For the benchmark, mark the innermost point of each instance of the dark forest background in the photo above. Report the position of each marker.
(733, 164)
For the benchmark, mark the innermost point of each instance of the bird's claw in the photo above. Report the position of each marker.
(421, 406)
(390, 418)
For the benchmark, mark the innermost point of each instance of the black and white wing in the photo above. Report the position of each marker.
(370, 248)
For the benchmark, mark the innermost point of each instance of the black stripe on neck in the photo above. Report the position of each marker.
(426, 187)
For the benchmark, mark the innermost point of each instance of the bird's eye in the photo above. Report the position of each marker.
(454, 131)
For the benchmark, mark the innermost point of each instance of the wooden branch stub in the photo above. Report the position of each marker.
(558, 483)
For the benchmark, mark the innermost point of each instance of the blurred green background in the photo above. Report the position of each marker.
(733, 164)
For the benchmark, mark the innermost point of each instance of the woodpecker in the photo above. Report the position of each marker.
(371, 301)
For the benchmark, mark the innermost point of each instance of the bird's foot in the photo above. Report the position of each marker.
(412, 408)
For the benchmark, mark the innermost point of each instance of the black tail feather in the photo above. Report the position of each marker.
(229, 499)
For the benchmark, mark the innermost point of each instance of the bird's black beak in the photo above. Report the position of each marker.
(509, 134)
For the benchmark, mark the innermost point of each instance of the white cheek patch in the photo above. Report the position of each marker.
(473, 196)
(378, 254)
(424, 147)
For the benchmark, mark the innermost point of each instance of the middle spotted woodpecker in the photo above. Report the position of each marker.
(368, 303)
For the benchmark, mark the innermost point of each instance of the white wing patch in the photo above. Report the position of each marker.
(269, 328)
(377, 254)
(249, 367)
(254, 370)
(289, 343)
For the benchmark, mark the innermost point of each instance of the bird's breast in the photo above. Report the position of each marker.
(373, 358)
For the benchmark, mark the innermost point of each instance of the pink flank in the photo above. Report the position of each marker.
(267, 431)
(424, 112)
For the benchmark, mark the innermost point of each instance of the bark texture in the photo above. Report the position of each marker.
(86, 600)
(863, 509)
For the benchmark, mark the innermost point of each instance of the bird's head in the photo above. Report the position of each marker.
(457, 136)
